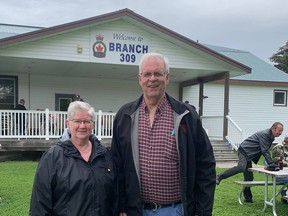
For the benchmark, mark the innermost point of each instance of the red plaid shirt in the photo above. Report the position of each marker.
(159, 161)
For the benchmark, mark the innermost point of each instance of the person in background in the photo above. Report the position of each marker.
(280, 155)
(280, 152)
(21, 118)
(250, 150)
(77, 176)
(53, 122)
(163, 156)
(78, 98)
(187, 102)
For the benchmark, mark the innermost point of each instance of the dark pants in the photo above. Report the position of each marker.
(242, 167)
(20, 121)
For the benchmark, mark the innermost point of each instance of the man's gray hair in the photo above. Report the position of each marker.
(157, 56)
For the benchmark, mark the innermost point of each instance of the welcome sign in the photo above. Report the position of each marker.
(118, 47)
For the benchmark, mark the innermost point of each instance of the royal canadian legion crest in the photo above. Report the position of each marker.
(99, 48)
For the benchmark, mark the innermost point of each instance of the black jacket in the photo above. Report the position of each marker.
(197, 163)
(21, 116)
(65, 184)
(256, 145)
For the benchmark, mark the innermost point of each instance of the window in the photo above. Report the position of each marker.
(62, 101)
(8, 90)
(280, 98)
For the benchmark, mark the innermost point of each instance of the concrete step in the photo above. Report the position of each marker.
(232, 161)
(223, 152)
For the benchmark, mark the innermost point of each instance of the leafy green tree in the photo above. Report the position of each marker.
(281, 58)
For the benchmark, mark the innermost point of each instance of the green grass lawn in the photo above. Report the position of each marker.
(226, 199)
(16, 179)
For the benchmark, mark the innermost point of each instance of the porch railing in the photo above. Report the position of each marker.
(235, 134)
(214, 127)
(47, 124)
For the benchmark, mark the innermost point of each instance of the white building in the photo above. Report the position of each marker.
(256, 100)
(98, 58)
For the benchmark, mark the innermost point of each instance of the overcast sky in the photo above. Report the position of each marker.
(257, 26)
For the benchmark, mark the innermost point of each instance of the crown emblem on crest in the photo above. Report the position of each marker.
(99, 37)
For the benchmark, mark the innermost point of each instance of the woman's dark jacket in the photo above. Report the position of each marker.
(66, 184)
(196, 159)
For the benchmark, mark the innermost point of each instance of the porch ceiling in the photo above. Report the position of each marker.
(12, 65)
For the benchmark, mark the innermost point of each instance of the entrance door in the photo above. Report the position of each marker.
(62, 101)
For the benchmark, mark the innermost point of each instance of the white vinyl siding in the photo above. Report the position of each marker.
(102, 94)
(60, 47)
(64, 47)
(250, 106)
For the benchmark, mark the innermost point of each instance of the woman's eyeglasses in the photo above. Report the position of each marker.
(79, 122)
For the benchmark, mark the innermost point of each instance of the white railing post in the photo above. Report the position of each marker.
(99, 134)
(46, 124)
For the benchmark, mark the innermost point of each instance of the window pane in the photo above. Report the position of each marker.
(7, 92)
(280, 97)
(64, 103)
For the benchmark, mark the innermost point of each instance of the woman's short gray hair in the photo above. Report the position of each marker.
(80, 106)
(157, 56)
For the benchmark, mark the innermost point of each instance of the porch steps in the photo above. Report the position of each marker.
(223, 151)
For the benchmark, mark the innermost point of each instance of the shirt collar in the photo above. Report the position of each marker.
(161, 107)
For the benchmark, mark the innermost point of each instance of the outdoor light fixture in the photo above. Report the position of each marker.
(79, 49)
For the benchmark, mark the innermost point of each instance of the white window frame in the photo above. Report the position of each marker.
(8, 92)
(277, 93)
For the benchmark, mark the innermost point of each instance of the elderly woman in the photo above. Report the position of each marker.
(76, 176)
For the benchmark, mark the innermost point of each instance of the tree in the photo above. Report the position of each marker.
(281, 58)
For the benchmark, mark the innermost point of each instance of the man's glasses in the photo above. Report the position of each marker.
(155, 74)
(79, 122)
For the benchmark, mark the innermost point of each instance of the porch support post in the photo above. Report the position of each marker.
(226, 104)
(180, 95)
(201, 93)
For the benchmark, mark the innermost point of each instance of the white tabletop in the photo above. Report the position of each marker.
(280, 173)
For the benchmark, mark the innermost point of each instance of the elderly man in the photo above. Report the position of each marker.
(163, 156)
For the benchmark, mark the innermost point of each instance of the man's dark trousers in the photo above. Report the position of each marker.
(242, 166)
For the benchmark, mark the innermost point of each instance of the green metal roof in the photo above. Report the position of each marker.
(261, 70)
(8, 30)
